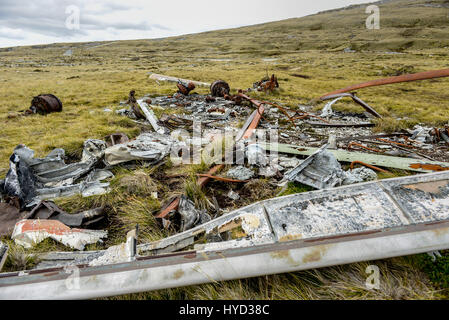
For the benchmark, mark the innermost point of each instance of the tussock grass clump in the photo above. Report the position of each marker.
(257, 190)
(195, 193)
(295, 187)
(389, 125)
(19, 259)
(138, 183)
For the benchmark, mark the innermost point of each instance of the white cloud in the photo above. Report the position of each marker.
(26, 22)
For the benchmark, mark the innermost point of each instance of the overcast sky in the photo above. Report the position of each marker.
(27, 22)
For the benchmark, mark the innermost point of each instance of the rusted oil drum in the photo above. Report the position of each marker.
(46, 103)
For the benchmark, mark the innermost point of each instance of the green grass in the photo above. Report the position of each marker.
(295, 187)
(100, 77)
(437, 271)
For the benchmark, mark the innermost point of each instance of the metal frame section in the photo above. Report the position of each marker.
(424, 166)
(361, 222)
(356, 100)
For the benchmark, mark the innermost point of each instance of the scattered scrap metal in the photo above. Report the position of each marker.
(185, 88)
(350, 217)
(369, 221)
(267, 84)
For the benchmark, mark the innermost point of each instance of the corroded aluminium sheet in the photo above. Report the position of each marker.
(353, 209)
(337, 212)
(424, 200)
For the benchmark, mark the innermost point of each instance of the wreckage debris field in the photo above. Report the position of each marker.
(93, 167)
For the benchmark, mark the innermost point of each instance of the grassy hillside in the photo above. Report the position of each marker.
(414, 37)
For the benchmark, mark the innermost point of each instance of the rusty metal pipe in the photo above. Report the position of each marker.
(398, 79)
(368, 165)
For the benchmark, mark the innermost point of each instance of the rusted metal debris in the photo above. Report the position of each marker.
(246, 132)
(353, 163)
(267, 84)
(441, 134)
(397, 79)
(352, 144)
(351, 222)
(297, 232)
(44, 104)
(322, 171)
(220, 88)
(185, 88)
(134, 106)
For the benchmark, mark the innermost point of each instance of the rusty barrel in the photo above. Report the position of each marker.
(46, 103)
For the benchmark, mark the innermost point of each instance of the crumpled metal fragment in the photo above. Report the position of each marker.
(421, 134)
(20, 181)
(151, 147)
(47, 210)
(116, 138)
(190, 216)
(327, 110)
(93, 150)
(256, 155)
(240, 173)
(28, 233)
(359, 175)
(322, 171)
(32, 179)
